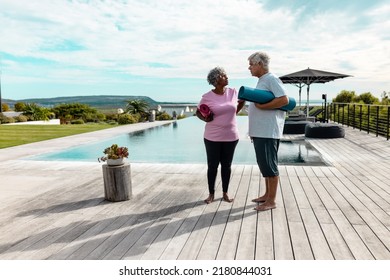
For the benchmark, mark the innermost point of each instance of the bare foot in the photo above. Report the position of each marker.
(209, 199)
(226, 198)
(260, 199)
(265, 207)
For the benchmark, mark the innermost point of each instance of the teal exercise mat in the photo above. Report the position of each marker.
(263, 96)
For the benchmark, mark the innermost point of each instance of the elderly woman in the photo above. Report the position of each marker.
(221, 133)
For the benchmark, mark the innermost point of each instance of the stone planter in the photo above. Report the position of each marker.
(113, 162)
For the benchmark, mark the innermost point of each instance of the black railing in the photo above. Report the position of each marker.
(366, 117)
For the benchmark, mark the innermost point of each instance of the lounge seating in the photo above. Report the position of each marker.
(295, 127)
(324, 130)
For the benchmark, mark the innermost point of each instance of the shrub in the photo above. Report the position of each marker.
(112, 122)
(127, 119)
(163, 117)
(20, 106)
(36, 113)
(5, 107)
(5, 119)
(111, 117)
(21, 118)
(78, 121)
(68, 112)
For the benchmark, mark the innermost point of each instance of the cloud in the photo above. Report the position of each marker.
(93, 40)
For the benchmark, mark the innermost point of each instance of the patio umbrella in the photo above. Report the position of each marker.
(308, 77)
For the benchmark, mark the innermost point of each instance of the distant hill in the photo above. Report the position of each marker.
(97, 101)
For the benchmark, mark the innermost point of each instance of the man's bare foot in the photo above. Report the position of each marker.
(209, 199)
(226, 198)
(265, 207)
(260, 199)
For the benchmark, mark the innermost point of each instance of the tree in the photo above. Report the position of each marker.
(5, 107)
(137, 106)
(385, 98)
(366, 98)
(69, 112)
(345, 96)
(19, 106)
(36, 113)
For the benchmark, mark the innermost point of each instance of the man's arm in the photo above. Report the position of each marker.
(275, 103)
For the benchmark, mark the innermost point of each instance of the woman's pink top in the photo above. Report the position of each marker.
(224, 126)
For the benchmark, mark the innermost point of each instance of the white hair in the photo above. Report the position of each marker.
(214, 75)
(260, 58)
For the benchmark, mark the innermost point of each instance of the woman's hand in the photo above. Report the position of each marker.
(240, 105)
(209, 118)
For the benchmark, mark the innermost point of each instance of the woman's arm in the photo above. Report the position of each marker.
(240, 105)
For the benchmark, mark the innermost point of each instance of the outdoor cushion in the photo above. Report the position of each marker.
(295, 127)
(324, 130)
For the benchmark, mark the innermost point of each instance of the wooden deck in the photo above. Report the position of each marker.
(56, 210)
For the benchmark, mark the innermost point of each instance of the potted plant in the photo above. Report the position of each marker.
(114, 155)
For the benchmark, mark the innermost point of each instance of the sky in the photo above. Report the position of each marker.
(164, 49)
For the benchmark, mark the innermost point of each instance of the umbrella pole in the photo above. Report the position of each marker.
(307, 102)
(300, 89)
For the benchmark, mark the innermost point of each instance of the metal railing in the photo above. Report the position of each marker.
(366, 117)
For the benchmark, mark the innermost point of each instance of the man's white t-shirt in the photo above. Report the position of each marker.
(267, 123)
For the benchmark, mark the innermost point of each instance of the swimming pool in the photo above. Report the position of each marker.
(182, 142)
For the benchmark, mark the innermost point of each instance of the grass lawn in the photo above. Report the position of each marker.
(14, 135)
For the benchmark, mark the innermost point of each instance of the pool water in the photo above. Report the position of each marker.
(182, 142)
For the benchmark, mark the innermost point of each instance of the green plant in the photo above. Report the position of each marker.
(114, 152)
(128, 118)
(21, 118)
(77, 121)
(163, 116)
(36, 113)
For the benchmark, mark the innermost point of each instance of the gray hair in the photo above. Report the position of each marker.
(214, 74)
(260, 58)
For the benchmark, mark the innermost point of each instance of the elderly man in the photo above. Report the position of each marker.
(266, 127)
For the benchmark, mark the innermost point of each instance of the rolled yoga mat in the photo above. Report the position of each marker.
(262, 96)
(205, 110)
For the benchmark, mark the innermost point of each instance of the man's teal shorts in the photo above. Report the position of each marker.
(267, 155)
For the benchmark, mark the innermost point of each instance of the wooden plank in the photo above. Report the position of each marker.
(146, 235)
(281, 232)
(264, 236)
(249, 189)
(159, 245)
(71, 225)
(352, 239)
(376, 247)
(178, 241)
(339, 248)
(318, 243)
(28, 232)
(376, 225)
(340, 211)
(132, 216)
(213, 238)
(194, 242)
(300, 244)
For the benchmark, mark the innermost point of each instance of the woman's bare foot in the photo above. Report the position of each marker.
(260, 199)
(209, 199)
(265, 207)
(226, 198)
